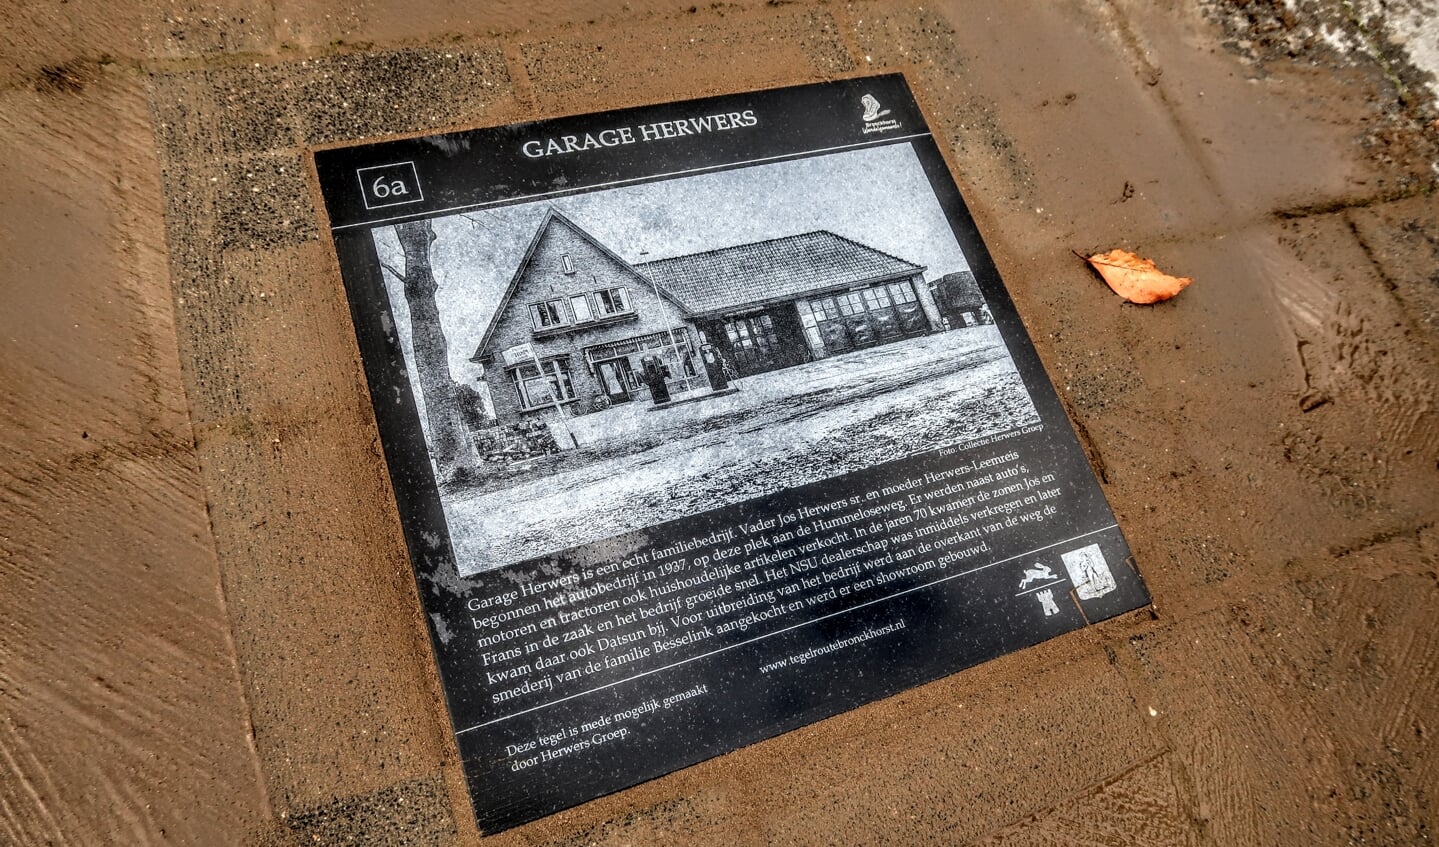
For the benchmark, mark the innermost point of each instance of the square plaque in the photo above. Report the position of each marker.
(705, 421)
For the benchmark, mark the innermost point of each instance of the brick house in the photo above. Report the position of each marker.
(589, 315)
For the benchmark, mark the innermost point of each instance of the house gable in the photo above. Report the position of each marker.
(564, 261)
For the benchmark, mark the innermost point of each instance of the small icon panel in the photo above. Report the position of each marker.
(1089, 572)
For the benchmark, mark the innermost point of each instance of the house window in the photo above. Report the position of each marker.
(548, 314)
(612, 301)
(902, 292)
(538, 389)
(580, 305)
(567, 263)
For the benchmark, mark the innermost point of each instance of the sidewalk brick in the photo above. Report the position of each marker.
(1142, 807)
(1058, 139)
(326, 621)
(993, 754)
(681, 58)
(88, 340)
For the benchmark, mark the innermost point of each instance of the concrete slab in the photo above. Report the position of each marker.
(1239, 743)
(1144, 806)
(987, 749)
(677, 59)
(122, 716)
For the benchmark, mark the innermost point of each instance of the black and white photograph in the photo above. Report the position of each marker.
(592, 364)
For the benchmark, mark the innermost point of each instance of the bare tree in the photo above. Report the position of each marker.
(449, 444)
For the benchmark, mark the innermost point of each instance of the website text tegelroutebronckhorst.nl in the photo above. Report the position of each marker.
(804, 656)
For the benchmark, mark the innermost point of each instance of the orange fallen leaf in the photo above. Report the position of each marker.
(1136, 279)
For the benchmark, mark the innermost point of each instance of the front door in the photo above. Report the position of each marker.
(617, 378)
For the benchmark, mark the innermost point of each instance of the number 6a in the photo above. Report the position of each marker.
(380, 188)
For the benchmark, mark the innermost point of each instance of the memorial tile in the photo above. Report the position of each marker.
(706, 421)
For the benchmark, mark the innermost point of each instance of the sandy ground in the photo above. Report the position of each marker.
(208, 629)
(781, 429)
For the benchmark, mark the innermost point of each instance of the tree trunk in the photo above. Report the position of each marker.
(449, 444)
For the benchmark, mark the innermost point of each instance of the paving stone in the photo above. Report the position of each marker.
(327, 625)
(122, 717)
(256, 108)
(414, 812)
(244, 324)
(294, 348)
(203, 116)
(121, 712)
(708, 815)
(1357, 655)
(1263, 437)
(321, 23)
(1268, 137)
(1238, 341)
(263, 202)
(991, 755)
(1056, 133)
(1308, 725)
(46, 41)
(205, 28)
(1143, 806)
(362, 95)
(1239, 744)
(683, 58)
(88, 343)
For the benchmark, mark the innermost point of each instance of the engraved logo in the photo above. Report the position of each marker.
(874, 116)
(1046, 602)
(872, 111)
(1038, 573)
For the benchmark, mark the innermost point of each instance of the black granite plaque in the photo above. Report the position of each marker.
(705, 420)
